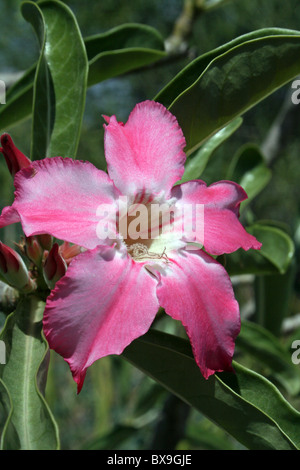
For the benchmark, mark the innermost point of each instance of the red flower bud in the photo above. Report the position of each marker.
(13, 270)
(14, 158)
(55, 266)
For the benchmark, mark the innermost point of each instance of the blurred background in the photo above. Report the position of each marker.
(120, 408)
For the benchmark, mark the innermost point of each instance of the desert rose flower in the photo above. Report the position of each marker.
(112, 291)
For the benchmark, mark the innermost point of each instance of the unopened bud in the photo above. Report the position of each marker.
(13, 270)
(14, 158)
(55, 266)
(33, 250)
(45, 241)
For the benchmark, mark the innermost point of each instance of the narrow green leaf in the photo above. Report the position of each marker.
(248, 168)
(273, 295)
(115, 52)
(269, 353)
(245, 404)
(277, 246)
(60, 80)
(275, 255)
(196, 164)
(22, 376)
(18, 100)
(226, 82)
(122, 49)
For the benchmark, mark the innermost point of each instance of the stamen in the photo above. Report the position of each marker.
(140, 252)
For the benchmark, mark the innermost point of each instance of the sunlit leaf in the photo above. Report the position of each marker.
(60, 80)
(115, 52)
(23, 376)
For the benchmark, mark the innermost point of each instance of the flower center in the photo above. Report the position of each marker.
(140, 252)
(143, 226)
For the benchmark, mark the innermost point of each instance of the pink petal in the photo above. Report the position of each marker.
(223, 232)
(197, 291)
(145, 155)
(9, 216)
(101, 305)
(60, 196)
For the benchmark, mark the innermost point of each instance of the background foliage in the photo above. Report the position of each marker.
(121, 407)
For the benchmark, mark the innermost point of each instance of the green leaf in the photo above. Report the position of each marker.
(122, 49)
(269, 353)
(196, 164)
(273, 295)
(115, 52)
(23, 377)
(18, 100)
(6, 425)
(60, 80)
(113, 439)
(245, 404)
(275, 255)
(248, 168)
(226, 82)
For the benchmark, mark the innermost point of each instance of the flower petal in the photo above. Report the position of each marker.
(9, 216)
(145, 155)
(197, 291)
(61, 196)
(101, 305)
(221, 231)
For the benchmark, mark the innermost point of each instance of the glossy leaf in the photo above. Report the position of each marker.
(29, 421)
(226, 82)
(245, 404)
(60, 80)
(196, 163)
(248, 168)
(115, 52)
(275, 255)
(270, 355)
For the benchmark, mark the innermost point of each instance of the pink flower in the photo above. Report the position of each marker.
(112, 291)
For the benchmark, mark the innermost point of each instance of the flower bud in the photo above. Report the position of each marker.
(55, 266)
(33, 250)
(45, 241)
(13, 270)
(14, 158)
